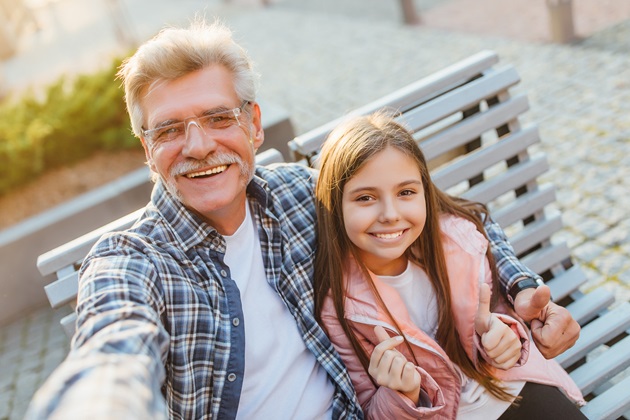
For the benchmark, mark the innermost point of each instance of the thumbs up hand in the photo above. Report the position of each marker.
(391, 369)
(501, 344)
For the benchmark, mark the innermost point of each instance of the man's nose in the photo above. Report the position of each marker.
(198, 143)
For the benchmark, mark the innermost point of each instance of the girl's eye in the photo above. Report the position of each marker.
(407, 192)
(364, 198)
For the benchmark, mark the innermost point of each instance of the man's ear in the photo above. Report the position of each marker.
(258, 134)
(147, 154)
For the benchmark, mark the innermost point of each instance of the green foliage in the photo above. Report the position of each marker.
(73, 120)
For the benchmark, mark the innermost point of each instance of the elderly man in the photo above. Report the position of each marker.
(204, 308)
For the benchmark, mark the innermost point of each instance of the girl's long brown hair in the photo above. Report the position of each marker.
(345, 151)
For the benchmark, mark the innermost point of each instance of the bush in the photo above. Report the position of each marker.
(73, 120)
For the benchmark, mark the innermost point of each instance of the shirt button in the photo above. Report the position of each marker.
(236, 322)
(224, 273)
(231, 377)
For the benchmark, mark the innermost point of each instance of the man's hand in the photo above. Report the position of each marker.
(501, 344)
(553, 328)
(390, 368)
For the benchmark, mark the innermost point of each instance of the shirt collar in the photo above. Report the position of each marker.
(190, 228)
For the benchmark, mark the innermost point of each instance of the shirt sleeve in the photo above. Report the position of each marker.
(115, 368)
(509, 267)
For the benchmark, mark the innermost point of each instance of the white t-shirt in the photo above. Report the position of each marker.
(282, 377)
(415, 289)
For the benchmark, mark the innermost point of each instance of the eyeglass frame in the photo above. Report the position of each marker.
(236, 112)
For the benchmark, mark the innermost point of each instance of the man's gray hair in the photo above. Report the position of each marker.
(176, 52)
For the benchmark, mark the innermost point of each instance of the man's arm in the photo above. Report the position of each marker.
(553, 328)
(115, 368)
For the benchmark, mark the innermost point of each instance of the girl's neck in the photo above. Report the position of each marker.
(387, 268)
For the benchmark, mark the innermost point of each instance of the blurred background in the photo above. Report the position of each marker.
(64, 133)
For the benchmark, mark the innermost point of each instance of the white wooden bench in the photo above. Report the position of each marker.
(467, 123)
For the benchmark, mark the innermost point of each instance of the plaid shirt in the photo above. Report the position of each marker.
(157, 310)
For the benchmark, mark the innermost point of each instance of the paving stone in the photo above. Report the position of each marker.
(610, 264)
(614, 237)
(591, 228)
(588, 252)
(624, 277)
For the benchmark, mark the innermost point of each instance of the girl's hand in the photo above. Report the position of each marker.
(390, 368)
(502, 345)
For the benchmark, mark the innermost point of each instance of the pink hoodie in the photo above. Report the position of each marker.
(465, 250)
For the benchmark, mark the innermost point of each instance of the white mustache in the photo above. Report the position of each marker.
(214, 160)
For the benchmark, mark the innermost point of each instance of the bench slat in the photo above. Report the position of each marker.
(76, 249)
(465, 97)
(69, 324)
(588, 306)
(476, 162)
(63, 290)
(535, 233)
(517, 176)
(608, 364)
(610, 405)
(472, 127)
(567, 282)
(544, 259)
(525, 205)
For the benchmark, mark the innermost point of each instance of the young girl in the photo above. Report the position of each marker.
(403, 283)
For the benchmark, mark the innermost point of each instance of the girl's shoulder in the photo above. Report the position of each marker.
(462, 233)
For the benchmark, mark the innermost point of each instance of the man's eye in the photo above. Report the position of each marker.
(168, 132)
(220, 121)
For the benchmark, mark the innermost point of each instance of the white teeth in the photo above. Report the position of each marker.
(388, 235)
(212, 171)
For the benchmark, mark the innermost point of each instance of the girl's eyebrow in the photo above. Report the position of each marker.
(370, 188)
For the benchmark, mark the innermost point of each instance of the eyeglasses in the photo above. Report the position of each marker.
(178, 132)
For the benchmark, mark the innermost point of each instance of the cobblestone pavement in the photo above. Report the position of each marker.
(318, 64)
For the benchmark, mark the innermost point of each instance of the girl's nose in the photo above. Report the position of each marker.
(389, 212)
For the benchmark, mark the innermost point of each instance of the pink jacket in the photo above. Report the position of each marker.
(465, 251)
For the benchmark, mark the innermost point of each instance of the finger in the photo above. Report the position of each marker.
(382, 370)
(381, 334)
(397, 367)
(531, 303)
(482, 318)
(507, 360)
(497, 337)
(541, 298)
(410, 377)
(508, 352)
(386, 343)
(555, 335)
